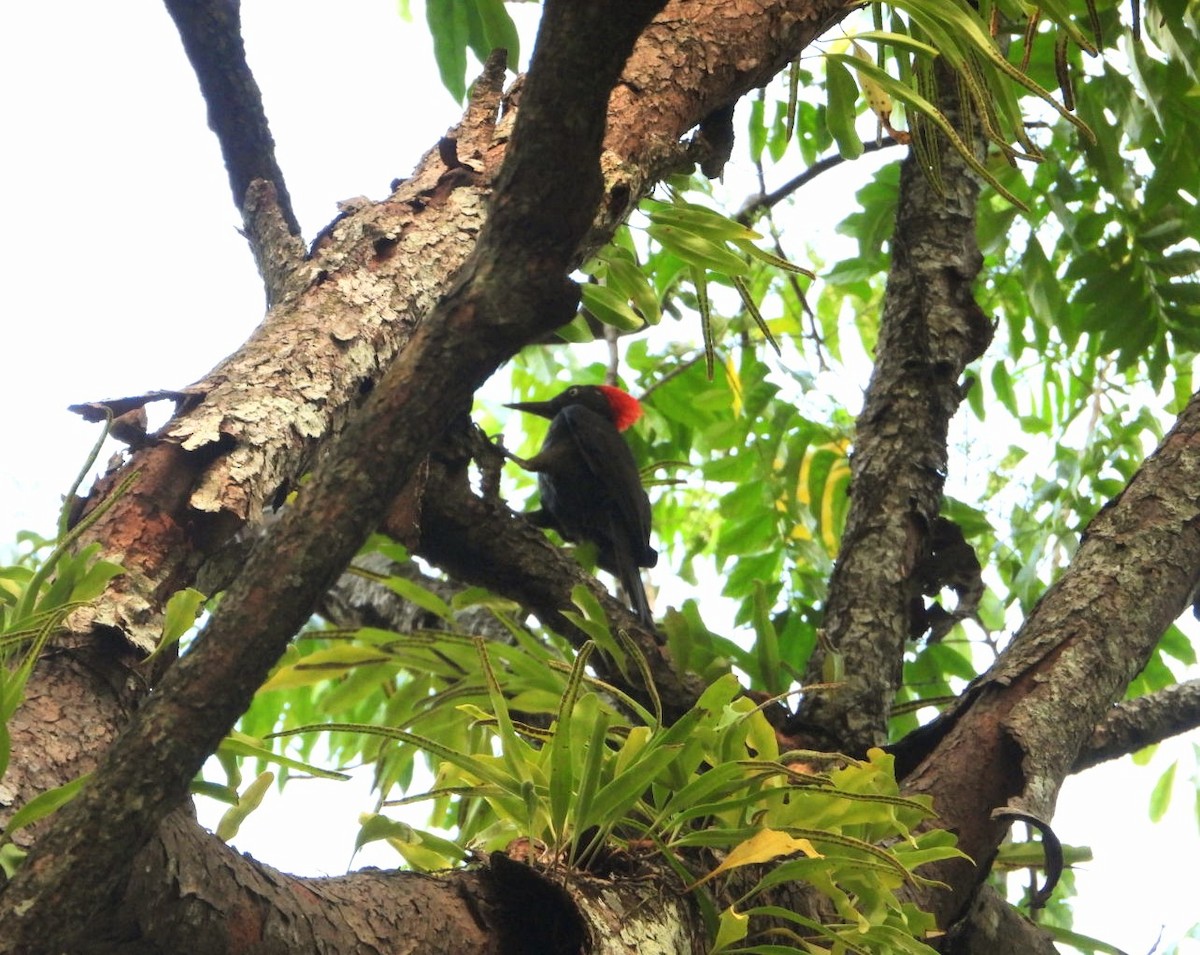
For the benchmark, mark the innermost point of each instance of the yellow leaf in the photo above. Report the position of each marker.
(800, 533)
(324, 665)
(763, 846)
(876, 96)
(735, 385)
(833, 484)
(732, 928)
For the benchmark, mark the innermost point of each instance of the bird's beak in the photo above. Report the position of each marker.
(543, 408)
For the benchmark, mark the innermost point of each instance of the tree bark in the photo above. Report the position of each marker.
(225, 454)
(354, 346)
(931, 329)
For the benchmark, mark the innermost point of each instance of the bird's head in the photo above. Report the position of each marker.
(620, 407)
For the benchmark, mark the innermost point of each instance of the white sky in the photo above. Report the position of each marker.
(127, 274)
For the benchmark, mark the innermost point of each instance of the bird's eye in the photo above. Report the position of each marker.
(573, 392)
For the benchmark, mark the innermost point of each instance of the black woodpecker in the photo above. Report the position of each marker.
(590, 485)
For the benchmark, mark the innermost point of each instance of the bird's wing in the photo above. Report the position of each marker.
(609, 458)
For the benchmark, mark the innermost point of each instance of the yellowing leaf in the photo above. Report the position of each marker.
(732, 928)
(324, 665)
(763, 846)
(735, 385)
(876, 96)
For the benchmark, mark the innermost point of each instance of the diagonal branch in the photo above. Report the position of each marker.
(245, 433)
(211, 31)
(1018, 730)
(755, 205)
(1135, 724)
(479, 540)
(513, 287)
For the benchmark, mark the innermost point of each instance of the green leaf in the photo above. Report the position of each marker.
(247, 802)
(183, 607)
(842, 108)
(766, 643)
(450, 28)
(480, 768)
(699, 221)
(591, 716)
(424, 851)
(1083, 943)
(239, 744)
(423, 597)
(916, 101)
(42, 805)
(499, 31)
(699, 250)
(594, 623)
(621, 271)
(562, 747)
(610, 307)
(513, 749)
(323, 665)
(1160, 797)
(903, 40)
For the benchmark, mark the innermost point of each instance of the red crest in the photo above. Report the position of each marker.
(626, 408)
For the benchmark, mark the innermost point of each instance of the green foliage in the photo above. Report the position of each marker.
(457, 26)
(1090, 269)
(1091, 265)
(530, 749)
(36, 596)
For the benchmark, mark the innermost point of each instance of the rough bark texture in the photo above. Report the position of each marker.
(930, 331)
(356, 346)
(1017, 731)
(1135, 724)
(535, 223)
(190, 894)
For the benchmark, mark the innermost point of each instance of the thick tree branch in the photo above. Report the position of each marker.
(930, 330)
(191, 893)
(85, 857)
(1135, 724)
(211, 31)
(992, 926)
(244, 434)
(1017, 732)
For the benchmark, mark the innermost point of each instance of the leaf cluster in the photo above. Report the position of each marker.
(36, 596)
(532, 754)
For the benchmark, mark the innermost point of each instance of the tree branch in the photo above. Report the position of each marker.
(85, 857)
(243, 435)
(211, 32)
(1019, 729)
(479, 540)
(1135, 724)
(930, 330)
(768, 200)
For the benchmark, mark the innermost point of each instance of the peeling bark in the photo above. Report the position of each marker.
(931, 329)
(361, 307)
(1017, 731)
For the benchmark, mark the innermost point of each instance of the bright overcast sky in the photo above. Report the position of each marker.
(126, 274)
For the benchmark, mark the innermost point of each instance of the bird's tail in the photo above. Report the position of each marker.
(635, 592)
(626, 569)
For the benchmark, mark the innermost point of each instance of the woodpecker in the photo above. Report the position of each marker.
(590, 486)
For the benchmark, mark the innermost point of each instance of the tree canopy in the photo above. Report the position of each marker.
(926, 500)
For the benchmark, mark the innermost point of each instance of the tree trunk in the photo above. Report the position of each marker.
(360, 371)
